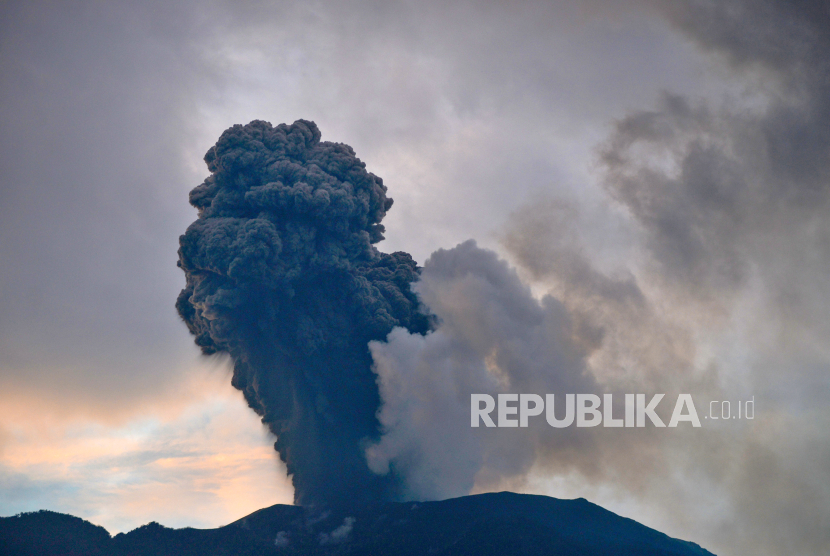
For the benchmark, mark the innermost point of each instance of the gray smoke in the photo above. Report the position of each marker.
(282, 275)
(717, 188)
(732, 202)
(493, 337)
(595, 335)
(727, 299)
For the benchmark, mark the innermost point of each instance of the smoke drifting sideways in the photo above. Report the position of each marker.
(492, 336)
(282, 274)
(726, 299)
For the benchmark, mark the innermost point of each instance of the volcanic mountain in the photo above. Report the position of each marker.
(496, 524)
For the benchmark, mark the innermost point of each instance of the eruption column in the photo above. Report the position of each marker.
(282, 274)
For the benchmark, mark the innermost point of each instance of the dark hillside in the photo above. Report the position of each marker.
(496, 524)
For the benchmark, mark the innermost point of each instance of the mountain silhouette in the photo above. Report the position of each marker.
(495, 524)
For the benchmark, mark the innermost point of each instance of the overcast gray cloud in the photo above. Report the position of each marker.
(691, 254)
(726, 299)
(94, 128)
(108, 110)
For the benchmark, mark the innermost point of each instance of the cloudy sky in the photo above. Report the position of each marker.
(654, 174)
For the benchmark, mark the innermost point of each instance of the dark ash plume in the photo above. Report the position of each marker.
(282, 274)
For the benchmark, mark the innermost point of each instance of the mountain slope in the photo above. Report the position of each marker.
(485, 525)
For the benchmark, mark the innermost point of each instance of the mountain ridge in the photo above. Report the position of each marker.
(503, 524)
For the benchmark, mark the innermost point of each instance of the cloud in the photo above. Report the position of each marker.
(706, 267)
(722, 298)
(211, 453)
(282, 275)
(493, 336)
(91, 193)
(731, 200)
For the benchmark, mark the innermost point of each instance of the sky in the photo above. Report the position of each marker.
(647, 182)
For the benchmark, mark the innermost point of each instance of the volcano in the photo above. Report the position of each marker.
(495, 524)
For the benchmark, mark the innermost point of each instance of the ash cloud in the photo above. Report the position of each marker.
(283, 275)
(731, 200)
(493, 336)
(718, 189)
(590, 333)
(727, 299)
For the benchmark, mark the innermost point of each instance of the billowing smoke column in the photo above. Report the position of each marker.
(282, 275)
